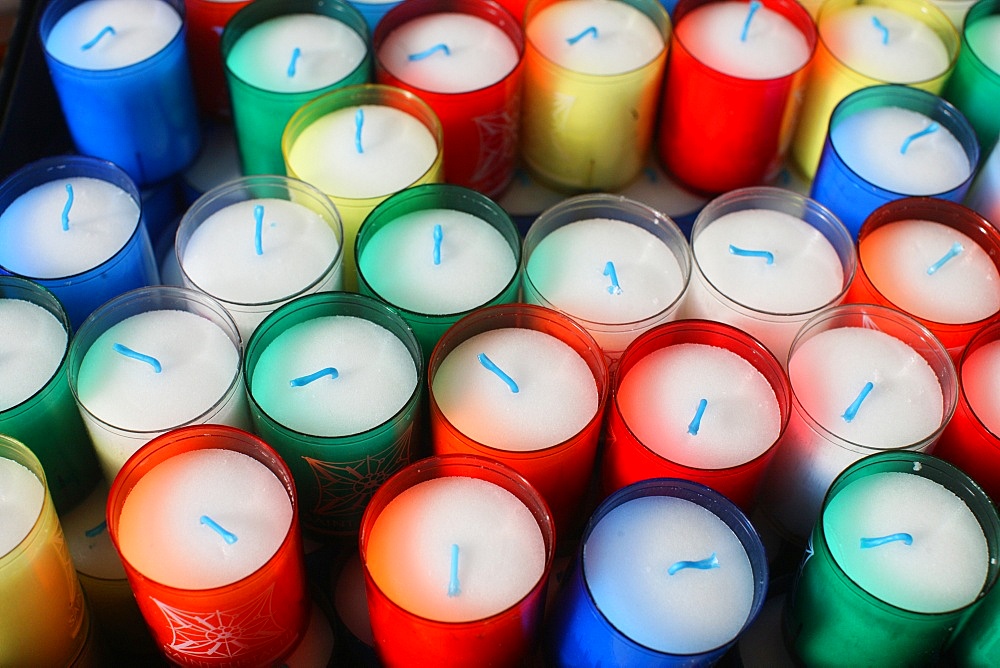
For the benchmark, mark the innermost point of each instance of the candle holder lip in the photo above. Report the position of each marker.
(984, 336)
(977, 11)
(18, 452)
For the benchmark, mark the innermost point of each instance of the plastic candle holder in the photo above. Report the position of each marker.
(601, 139)
(830, 613)
(218, 625)
(975, 83)
(718, 129)
(562, 471)
(335, 475)
(137, 112)
(955, 10)
(262, 72)
(206, 19)
(877, 280)
(984, 196)
(843, 63)
(627, 459)
(51, 623)
(387, 281)
(766, 260)
(580, 633)
(976, 642)
(124, 401)
(504, 638)
(479, 114)
(850, 195)
(127, 262)
(47, 421)
(405, 149)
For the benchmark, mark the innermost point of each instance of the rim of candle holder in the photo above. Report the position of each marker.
(983, 337)
(19, 453)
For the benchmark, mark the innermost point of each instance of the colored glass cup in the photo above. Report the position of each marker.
(206, 20)
(974, 86)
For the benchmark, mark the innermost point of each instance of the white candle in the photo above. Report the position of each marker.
(21, 498)
(316, 648)
(89, 542)
(908, 541)
(351, 600)
(660, 400)
(658, 190)
(981, 383)
(764, 46)
(167, 527)
(334, 376)
(32, 346)
(984, 40)
(555, 399)
(627, 564)
(66, 227)
(500, 553)
(448, 52)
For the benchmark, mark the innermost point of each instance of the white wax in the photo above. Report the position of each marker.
(659, 397)
(476, 262)
(658, 190)
(870, 142)
(912, 53)
(626, 562)
(773, 47)
(33, 243)
(556, 396)
(161, 534)
(351, 600)
(626, 38)
(316, 648)
(984, 40)
(397, 149)
(218, 160)
(942, 570)
(981, 383)
(21, 499)
(501, 552)
(376, 376)
(479, 53)
(88, 539)
(141, 29)
(897, 256)
(32, 345)
(329, 51)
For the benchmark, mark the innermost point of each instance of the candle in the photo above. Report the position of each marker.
(984, 196)
(658, 190)
(218, 162)
(975, 83)
(204, 22)
(277, 58)
(735, 73)
(591, 83)
(955, 10)
(120, 71)
(525, 198)
(373, 10)
(463, 60)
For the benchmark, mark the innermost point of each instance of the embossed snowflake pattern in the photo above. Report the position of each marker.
(497, 142)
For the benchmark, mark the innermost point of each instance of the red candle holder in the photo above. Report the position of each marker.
(205, 20)
(627, 459)
(253, 621)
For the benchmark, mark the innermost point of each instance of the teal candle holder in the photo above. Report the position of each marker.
(974, 87)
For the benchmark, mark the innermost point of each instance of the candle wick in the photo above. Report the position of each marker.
(316, 375)
(754, 6)
(592, 31)
(97, 530)
(852, 410)
(867, 543)
(488, 363)
(438, 237)
(609, 271)
(743, 252)
(453, 587)
(955, 249)
(881, 26)
(106, 30)
(933, 127)
(709, 562)
(128, 352)
(67, 207)
(296, 54)
(431, 51)
(258, 216)
(227, 536)
(650, 174)
(698, 414)
(359, 121)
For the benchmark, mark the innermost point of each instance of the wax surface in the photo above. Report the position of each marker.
(945, 566)
(32, 345)
(88, 539)
(556, 397)
(501, 550)
(626, 560)
(376, 376)
(21, 498)
(896, 257)
(981, 382)
(984, 40)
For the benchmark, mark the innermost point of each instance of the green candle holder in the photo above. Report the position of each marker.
(974, 87)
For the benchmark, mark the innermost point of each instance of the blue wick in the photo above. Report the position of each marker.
(852, 410)
(933, 127)
(885, 31)
(428, 52)
(128, 352)
(609, 271)
(359, 121)
(438, 237)
(650, 174)
(258, 217)
(754, 6)
(227, 536)
(709, 562)
(96, 531)
(743, 252)
(106, 30)
(696, 422)
(316, 375)
(955, 249)
(592, 31)
(453, 588)
(296, 54)
(67, 207)
(488, 363)
(867, 543)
